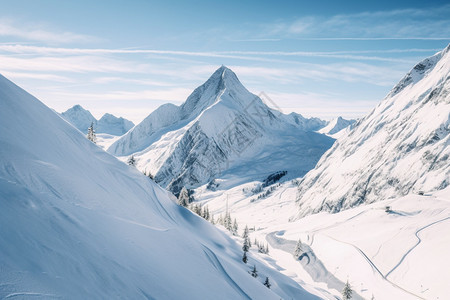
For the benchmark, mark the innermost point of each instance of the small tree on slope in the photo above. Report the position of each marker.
(131, 160)
(91, 133)
(347, 292)
(183, 197)
(254, 273)
(298, 249)
(244, 257)
(267, 283)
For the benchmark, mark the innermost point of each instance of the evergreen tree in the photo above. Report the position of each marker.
(244, 257)
(298, 249)
(91, 134)
(131, 160)
(212, 220)
(254, 273)
(245, 246)
(235, 228)
(245, 235)
(267, 249)
(267, 283)
(183, 198)
(347, 292)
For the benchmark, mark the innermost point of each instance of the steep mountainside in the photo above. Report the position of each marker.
(82, 119)
(401, 147)
(75, 223)
(221, 128)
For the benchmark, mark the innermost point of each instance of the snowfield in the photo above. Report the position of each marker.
(399, 254)
(76, 223)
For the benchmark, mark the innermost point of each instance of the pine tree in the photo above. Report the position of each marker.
(183, 198)
(254, 273)
(347, 292)
(244, 257)
(298, 249)
(245, 246)
(235, 228)
(212, 220)
(91, 134)
(267, 249)
(131, 161)
(267, 283)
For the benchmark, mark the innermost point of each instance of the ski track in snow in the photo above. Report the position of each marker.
(419, 240)
(374, 267)
(215, 261)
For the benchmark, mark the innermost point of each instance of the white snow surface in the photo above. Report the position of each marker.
(221, 128)
(401, 147)
(76, 223)
(401, 254)
(108, 123)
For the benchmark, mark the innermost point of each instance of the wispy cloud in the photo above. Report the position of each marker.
(242, 55)
(77, 64)
(39, 32)
(39, 76)
(172, 95)
(406, 24)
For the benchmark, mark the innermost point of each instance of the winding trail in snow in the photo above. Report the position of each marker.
(311, 264)
(374, 267)
(419, 240)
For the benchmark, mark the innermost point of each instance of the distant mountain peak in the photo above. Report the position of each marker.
(81, 119)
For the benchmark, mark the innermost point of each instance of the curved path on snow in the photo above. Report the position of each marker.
(374, 267)
(419, 240)
(311, 263)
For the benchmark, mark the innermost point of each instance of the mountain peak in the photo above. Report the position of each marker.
(225, 75)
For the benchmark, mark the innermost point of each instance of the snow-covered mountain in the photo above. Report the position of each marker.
(336, 125)
(401, 147)
(222, 128)
(75, 223)
(79, 117)
(110, 124)
(308, 124)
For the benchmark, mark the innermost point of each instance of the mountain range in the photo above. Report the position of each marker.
(81, 119)
(221, 130)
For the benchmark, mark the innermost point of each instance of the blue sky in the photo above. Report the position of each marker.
(317, 58)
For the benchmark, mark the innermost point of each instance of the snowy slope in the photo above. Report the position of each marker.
(401, 254)
(401, 147)
(222, 128)
(336, 125)
(109, 124)
(77, 223)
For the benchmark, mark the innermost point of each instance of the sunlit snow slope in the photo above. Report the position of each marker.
(401, 147)
(77, 223)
